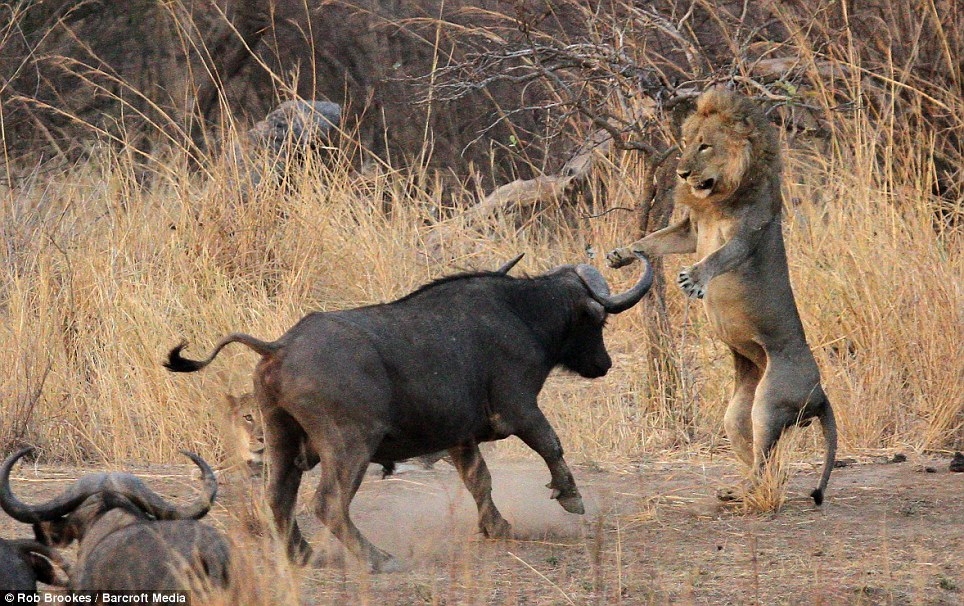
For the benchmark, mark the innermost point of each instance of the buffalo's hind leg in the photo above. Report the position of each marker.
(283, 436)
(475, 474)
(539, 435)
(344, 461)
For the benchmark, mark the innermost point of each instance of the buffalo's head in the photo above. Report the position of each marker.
(583, 350)
(68, 516)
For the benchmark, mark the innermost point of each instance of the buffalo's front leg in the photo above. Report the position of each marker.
(475, 474)
(539, 435)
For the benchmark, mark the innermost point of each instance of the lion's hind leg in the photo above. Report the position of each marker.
(785, 398)
(737, 420)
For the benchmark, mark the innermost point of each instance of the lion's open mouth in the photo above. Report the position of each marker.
(706, 184)
(703, 189)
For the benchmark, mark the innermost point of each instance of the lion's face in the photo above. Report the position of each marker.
(246, 427)
(717, 151)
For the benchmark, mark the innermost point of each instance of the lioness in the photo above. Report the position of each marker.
(245, 429)
(729, 178)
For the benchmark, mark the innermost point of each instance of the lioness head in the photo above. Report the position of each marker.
(246, 429)
(726, 141)
(245, 426)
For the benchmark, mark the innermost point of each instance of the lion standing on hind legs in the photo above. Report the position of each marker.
(729, 179)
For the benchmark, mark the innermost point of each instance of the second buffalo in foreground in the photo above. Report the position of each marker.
(458, 362)
(130, 538)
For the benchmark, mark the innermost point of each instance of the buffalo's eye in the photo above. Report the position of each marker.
(704, 147)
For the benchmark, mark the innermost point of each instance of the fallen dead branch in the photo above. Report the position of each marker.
(524, 193)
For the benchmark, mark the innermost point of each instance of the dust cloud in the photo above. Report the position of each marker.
(426, 516)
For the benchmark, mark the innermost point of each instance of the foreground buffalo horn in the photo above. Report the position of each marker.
(615, 304)
(123, 484)
(128, 538)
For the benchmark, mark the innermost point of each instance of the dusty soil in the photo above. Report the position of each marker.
(889, 533)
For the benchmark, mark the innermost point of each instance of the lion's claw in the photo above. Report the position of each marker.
(690, 285)
(620, 257)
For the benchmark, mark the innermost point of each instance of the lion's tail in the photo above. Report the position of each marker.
(177, 363)
(829, 425)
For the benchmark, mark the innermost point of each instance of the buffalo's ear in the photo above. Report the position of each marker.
(595, 312)
(45, 567)
(42, 568)
(55, 533)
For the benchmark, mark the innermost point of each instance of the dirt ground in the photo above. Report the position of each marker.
(888, 533)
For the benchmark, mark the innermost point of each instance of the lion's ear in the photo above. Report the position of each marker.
(743, 125)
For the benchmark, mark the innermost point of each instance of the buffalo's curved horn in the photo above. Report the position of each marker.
(155, 505)
(31, 514)
(509, 264)
(123, 484)
(599, 290)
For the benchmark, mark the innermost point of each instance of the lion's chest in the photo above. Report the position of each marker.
(712, 234)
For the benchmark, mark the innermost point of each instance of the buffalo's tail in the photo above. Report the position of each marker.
(828, 424)
(176, 363)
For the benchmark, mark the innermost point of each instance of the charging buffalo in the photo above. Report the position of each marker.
(457, 362)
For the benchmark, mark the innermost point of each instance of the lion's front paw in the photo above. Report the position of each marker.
(620, 257)
(689, 281)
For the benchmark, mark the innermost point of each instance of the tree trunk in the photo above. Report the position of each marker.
(655, 210)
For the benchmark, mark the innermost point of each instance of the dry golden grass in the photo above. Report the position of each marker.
(768, 492)
(102, 276)
(101, 273)
(260, 575)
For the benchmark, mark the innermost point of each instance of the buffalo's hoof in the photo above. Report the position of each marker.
(571, 503)
(326, 559)
(957, 463)
(300, 555)
(387, 564)
(498, 529)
